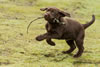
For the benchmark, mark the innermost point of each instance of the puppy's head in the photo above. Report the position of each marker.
(52, 13)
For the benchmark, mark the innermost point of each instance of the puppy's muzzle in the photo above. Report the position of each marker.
(48, 16)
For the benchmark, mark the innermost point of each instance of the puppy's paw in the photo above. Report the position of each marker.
(66, 52)
(39, 38)
(76, 56)
(52, 43)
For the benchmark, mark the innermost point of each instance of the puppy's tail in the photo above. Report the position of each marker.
(89, 23)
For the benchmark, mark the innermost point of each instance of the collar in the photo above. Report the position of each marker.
(57, 21)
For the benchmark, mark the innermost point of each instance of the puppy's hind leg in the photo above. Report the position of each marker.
(50, 42)
(79, 44)
(72, 46)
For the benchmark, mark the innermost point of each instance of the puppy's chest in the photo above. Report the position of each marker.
(53, 29)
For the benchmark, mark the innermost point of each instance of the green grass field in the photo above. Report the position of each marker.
(19, 49)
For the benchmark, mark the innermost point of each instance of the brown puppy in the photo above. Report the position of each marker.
(59, 27)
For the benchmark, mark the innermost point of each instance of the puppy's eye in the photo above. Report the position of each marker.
(53, 12)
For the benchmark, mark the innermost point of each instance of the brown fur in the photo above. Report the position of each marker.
(68, 29)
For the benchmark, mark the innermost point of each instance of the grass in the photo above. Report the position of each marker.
(19, 49)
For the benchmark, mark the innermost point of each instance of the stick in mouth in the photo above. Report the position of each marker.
(33, 21)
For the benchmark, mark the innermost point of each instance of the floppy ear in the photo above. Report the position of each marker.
(64, 14)
(43, 9)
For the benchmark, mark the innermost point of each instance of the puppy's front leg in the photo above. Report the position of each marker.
(41, 37)
(50, 42)
(47, 36)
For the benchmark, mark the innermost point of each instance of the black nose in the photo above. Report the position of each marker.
(47, 15)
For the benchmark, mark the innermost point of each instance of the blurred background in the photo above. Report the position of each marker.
(19, 49)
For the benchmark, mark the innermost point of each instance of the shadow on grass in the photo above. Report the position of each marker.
(87, 62)
(5, 63)
(58, 57)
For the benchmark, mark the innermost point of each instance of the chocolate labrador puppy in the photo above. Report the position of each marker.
(68, 29)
